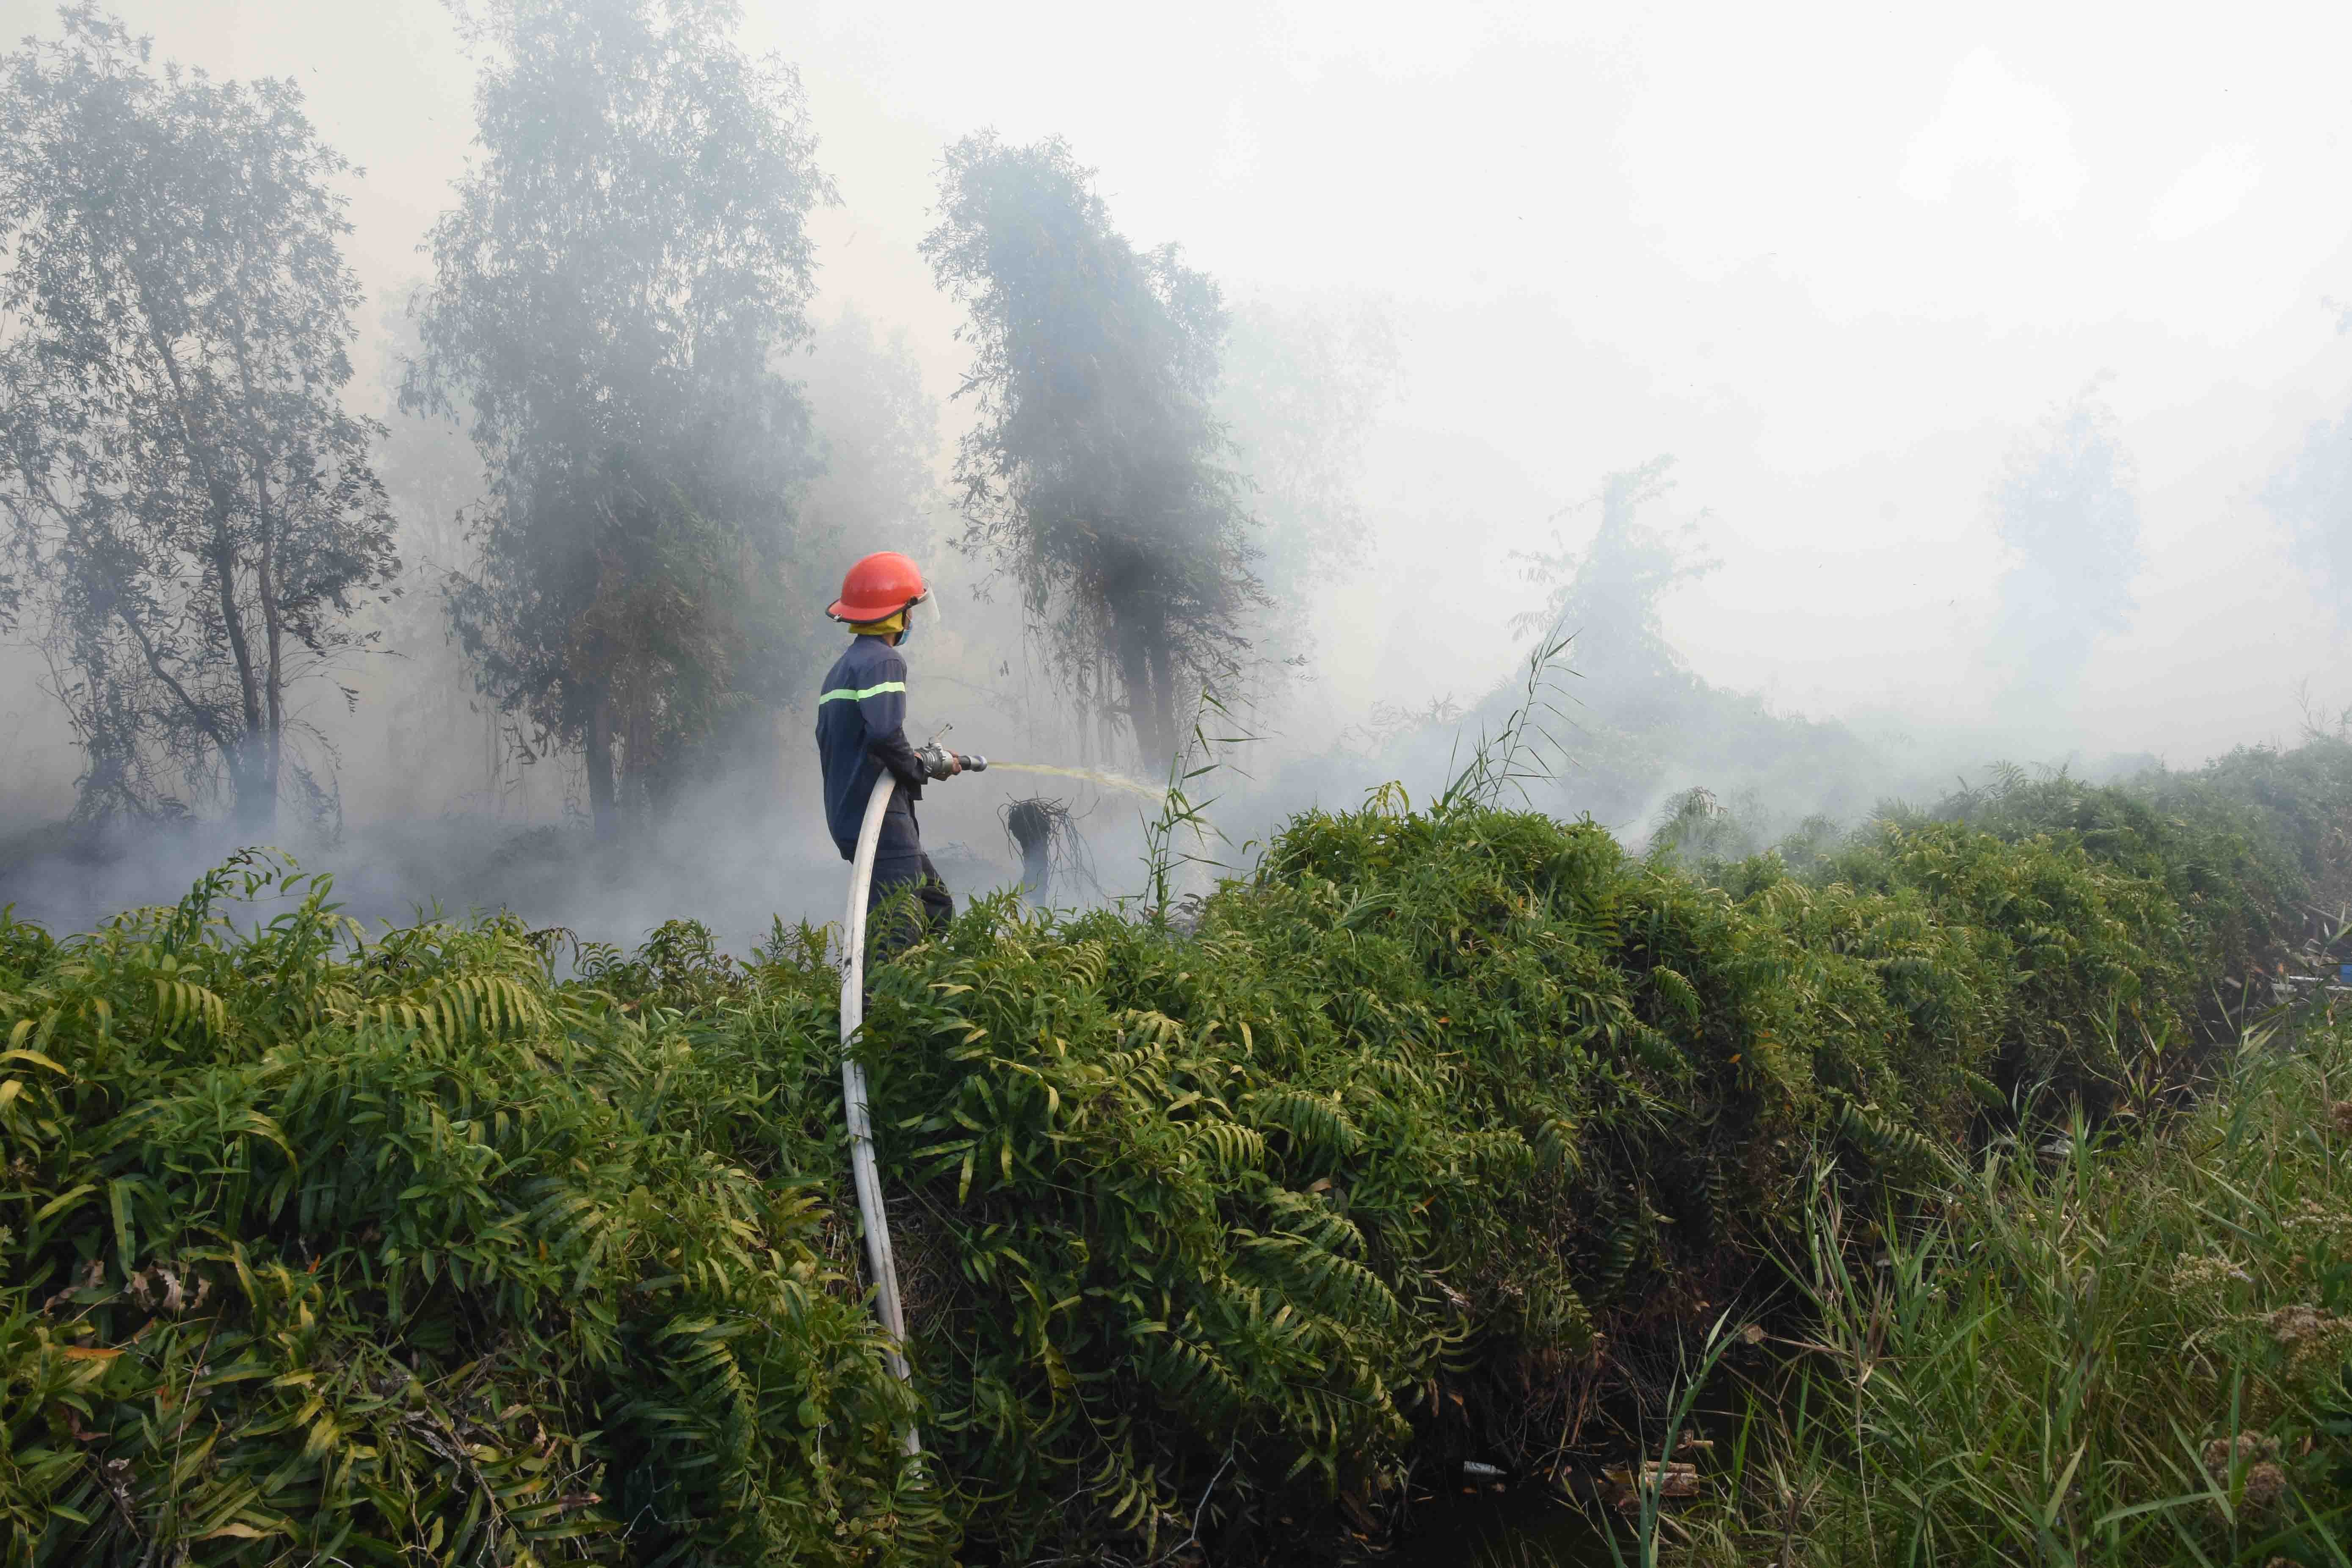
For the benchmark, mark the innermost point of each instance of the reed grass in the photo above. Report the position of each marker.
(2126, 1346)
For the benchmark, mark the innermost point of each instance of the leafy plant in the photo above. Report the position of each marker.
(319, 1245)
(1198, 1222)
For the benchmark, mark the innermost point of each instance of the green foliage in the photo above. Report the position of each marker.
(2131, 1351)
(2295, 806)
(1422, 1106)
(1359, 1158)
(2237, 869)
(319, 1247)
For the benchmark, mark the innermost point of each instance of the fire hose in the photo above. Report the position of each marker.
(865, 1174)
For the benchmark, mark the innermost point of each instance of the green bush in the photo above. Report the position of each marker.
(322, 1243)
(319, 1247)
(1422, 1106)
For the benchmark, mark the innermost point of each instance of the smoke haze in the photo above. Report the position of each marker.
(1997, 356)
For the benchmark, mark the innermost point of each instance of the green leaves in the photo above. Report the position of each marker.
(425, 1252)
(404, 1249)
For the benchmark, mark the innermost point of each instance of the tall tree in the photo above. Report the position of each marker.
(1097, 475)
(1299, 390)
(1606, 597)
(2065, 505)
(192, 513)
(612, 293)
(2311, 495)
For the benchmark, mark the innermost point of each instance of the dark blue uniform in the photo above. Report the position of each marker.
(861, 717)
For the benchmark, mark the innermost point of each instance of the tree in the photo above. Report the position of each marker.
(192, 514)
(2065, 507)
(612, 293)
(1097, 475)
(877, 435)
(1606, 596)
(2311, 495)
(1298, 391)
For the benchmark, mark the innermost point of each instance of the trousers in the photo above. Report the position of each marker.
(893, 923)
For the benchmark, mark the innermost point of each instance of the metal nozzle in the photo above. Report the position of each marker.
(940, 763)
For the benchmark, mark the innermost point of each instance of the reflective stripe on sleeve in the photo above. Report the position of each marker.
(843, 694)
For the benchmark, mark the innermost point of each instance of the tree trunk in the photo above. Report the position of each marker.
(254, 809)
(269, 724)
(1144, 708)
(273, 645)
(638, 778)
(601, 805)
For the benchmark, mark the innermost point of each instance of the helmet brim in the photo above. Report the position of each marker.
(859, 614)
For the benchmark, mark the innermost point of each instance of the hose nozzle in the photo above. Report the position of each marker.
(940, 763)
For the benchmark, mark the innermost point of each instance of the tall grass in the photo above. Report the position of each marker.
(2126, 1347)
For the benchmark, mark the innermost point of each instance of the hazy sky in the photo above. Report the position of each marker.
(1834, 258)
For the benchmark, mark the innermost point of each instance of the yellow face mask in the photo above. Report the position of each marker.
(884, 628)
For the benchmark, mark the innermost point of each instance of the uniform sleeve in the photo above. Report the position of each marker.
(882, 703)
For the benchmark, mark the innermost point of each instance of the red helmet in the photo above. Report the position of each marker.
(877, 587)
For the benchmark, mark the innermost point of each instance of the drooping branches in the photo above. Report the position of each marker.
(1097, 476)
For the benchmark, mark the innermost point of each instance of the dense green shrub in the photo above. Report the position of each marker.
(319, 1243)
(1422, 1106)
(318, 1248)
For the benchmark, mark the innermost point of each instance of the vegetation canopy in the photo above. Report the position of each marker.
(1097, 473)
(319, 1241)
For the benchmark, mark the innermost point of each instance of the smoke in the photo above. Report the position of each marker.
(2065, 508)
(1895, 542)
(2311, 496)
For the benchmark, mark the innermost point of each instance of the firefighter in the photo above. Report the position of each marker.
(861, 716)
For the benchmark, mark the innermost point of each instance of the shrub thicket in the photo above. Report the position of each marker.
(319, 1244)
(321, 1248)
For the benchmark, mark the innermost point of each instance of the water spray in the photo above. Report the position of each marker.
(1108, 781)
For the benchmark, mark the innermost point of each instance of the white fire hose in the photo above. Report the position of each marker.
(864, 1171)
